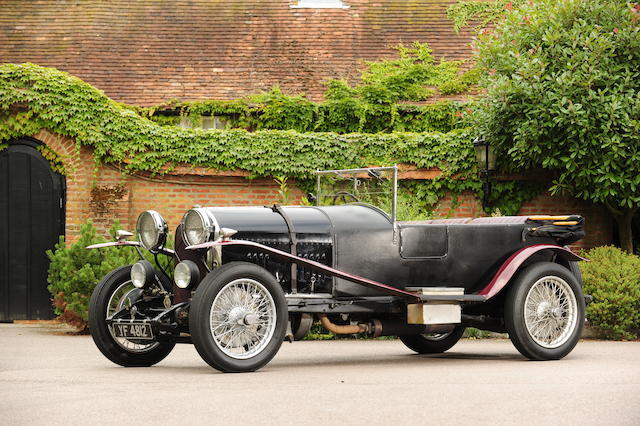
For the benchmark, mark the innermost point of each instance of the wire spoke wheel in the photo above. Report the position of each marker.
(118, 300)
(110, 296)
(242, 318)
(550, 312)
(544, 311)
(238, 317)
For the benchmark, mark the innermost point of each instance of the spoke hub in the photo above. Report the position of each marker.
(237, 315)
(250, 319)
(543, 309)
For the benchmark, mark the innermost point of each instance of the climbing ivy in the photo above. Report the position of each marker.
(56, 161)
(377, 103)
(34, 98)
(479, 13)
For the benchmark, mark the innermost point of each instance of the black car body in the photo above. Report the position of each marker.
(249, 277)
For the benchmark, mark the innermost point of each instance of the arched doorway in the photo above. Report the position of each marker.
(31, 219)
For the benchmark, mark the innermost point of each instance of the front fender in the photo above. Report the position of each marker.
(513, 263)
(114, 244)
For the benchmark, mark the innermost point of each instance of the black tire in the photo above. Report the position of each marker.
(530, 341)
(103, 337)
(301, 324)
(433, 343)
(223, 279)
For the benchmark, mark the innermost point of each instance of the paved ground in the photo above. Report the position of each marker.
(47, 377)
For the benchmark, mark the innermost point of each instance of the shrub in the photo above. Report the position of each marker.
(74, 271)
(613, 279)
(562, 94)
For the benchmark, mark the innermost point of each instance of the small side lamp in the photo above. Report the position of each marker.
(486, 158)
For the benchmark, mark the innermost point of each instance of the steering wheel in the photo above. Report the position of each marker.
(344, 195)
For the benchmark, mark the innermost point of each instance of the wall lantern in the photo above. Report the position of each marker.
(486, 158)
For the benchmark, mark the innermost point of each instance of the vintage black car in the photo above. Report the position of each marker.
(248, 278)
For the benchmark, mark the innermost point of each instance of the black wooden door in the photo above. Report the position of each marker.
(31, 219)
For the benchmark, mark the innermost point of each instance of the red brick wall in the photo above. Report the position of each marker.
(173, 196)
(598, 221)
(106, 194)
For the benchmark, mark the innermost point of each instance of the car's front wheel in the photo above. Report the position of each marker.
(238, 317)
(544, 311)
(433, 343)
(112, 294)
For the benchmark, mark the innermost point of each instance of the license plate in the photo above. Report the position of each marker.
(133, 331)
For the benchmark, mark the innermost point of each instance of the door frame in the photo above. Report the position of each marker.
(58, 183)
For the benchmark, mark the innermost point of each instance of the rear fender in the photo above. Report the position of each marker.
(515, 261)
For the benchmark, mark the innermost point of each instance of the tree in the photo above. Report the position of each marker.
(563, 94)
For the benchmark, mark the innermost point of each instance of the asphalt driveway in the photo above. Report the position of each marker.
(48, 377)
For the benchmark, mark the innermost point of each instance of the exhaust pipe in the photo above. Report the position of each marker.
(343, 329)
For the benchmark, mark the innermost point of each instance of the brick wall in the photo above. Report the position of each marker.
(106, 194)
(598, 221)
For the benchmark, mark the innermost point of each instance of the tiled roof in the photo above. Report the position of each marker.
(144, 52)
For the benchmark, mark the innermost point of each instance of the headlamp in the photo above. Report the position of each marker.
(152, 230)
(186, 273)
(142, 274)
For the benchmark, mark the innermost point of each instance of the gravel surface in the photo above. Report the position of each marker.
(49, 377)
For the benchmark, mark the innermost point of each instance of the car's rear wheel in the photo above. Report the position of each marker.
(544, 311)
(113, 293)
(433, 343)
(238, 317)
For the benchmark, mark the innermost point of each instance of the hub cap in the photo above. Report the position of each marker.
(550, 312)
(243, 318)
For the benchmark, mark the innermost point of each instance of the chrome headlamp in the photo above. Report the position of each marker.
(186, 273)
(152, 230)
(198, 226)
(142, 274)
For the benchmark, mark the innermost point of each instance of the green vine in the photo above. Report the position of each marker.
(377, 103)
(33, 98)
(480, 13)
(56, 161)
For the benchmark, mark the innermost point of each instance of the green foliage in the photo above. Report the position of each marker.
(279, 111)
(284, 192)
(74, 271)
(375, 104)
(461, 82)
(405, 78)
(67, 106)
(318, 332)
(480, 12)
(508, 196)
(55, 161)
(34, 98)
(474, 333)
(612, 277)
(167, 120)
(379, 193)
(562, 81)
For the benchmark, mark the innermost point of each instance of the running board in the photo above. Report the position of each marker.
(445, 295)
